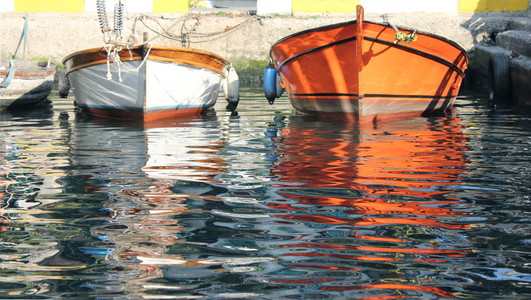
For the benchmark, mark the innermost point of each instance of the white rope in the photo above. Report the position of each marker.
(140, 66)
(113, 47)
(109, 74)
(113, 53)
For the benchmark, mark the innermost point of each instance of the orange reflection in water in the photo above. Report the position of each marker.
(391, 175)
(328, 267)
(367, 205)
(375, 221)
(433, 290)
(384, 297)
(411, 159)
(376, 249)
(405, 156)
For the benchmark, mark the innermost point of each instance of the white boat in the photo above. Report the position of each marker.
(25, 83)
(149, 82)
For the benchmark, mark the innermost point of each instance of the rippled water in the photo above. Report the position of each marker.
(265, 205)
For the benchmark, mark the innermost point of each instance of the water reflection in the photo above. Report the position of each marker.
(139, 166)
(374, 198)
(263, 205)
(165, 182)
(357, 211)
(33, 253)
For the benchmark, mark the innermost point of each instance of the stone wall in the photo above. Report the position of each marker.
(55, 35)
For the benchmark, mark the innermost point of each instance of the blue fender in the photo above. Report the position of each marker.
(272, 88)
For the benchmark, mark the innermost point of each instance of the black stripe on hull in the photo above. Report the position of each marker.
(356, 96)
(343, 24)
(419, 53)
(315, 50)
(390, 44)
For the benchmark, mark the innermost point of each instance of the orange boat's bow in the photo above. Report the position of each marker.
(369, 69)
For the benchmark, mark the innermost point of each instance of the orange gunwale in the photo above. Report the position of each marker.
(410, 49)
(177, 55)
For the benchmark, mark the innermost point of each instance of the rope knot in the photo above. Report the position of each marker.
(405, 37)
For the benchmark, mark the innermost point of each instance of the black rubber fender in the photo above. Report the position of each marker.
(63, 84)
(499, 77)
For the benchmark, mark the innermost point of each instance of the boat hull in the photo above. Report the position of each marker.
(356, 68)
(171, 82)
(30, 85)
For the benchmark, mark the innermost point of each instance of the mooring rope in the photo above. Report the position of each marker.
(166, 30)
(12, 69)
(118, 44)
(7, 80)
(23, 38)
(188, 35)
(401, 36)
(210, 36)
(113, 54)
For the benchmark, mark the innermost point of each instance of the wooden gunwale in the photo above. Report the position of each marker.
(177, 55)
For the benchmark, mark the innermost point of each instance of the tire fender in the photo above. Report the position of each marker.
(63, 84)
(499, 77)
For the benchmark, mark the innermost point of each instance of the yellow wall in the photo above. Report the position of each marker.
(159, 6)
(347, 6)
(325, 5)
(174, 6)
(49, 5)
(492, 5)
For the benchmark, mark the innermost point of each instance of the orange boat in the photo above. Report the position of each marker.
(366, 70)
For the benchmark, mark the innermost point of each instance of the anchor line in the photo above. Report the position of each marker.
(190, 34)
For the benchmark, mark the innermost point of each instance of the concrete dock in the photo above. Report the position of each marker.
(243, 37)
(511, 38)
